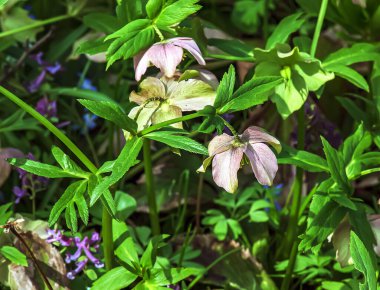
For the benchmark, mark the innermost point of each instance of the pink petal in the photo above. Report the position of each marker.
(225, 166)
(141, 64)
(166, 57)
(5, 167)
(220, 144)
(263, 162)
(190, 45)
(255, 135)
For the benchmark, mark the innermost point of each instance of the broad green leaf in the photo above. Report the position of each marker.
(130, 40)
(117, 278)
(350, 75)
(247, 15)
(221, 229)
(351, 143)
(82, 94)
(153, 7)
(14, 255)
(111, 112)
(363, 262)
(343, 200)
(148, 258)
(225, 88)
(252, 93)
(356, 113)
(284, 29)
(176, 141)
(359, 52)
(124, 161)
(3, 2)
(101, 22)
(234, 49)
(126, 205)
(336, 166)
(163, 277)
(127, 253)
(92, 47)
(175, 12)
(306, 160)
(45, 170)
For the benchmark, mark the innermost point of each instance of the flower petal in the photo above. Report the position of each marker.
(167, 112)
(220, 144)
(225, 166)
(263, 162)
(141, 64)
(341, 242)
(149, 88)
(255, 134)
(190, 45)
(5, 167)
(166, 57)
(191, 95)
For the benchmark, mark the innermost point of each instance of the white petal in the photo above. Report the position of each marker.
(225, 166)
(263, 162)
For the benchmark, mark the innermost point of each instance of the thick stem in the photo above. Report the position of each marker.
(107, 220)
(34, 25)
(292, 231)
(107, 239)
(151, 194)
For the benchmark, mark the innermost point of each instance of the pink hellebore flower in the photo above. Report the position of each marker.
(226, 153)
(5, 167)
(166, 56)
(165, 99)
(341, 239)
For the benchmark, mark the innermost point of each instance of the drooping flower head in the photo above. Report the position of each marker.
(226, 154)
(166, 56)
(165, 99)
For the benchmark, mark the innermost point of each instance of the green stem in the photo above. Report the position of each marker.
(169, 122)
(107, 239)
(229, 126)
(292, 231)
(36, 24)
(107, 220)
(364, 172)
(149, 180)
(54, 130)
(318, 27)
(221, 258)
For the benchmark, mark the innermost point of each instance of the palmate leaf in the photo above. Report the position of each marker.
(176, 12)
(129, 40)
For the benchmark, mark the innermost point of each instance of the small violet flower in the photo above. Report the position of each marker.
(83, 252)
(46, 68)
(47, 108)
(166, 56)
(29, 182)
(226, 153)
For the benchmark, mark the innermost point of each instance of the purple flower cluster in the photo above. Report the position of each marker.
(48, 109)
(83, 253)
(30, 183)
(47, 68)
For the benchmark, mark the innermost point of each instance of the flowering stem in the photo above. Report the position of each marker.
(169, 122)
(36, 24)
(229, 126)
(292, 232)
(151, 194)
(162, 38)
(108, 246)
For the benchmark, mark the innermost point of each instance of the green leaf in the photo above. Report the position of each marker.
(234, 49)
(350, 75)
(363, 262)
(254, 92)
(14, 255)
(101, 22)
(45, 170)
(359, 52)
(306, 160)
(128, 254)
(66, 163)
(3, 2)
(117, 278)
(153, 8)
(336, 166)
(124, 161)
(126, 205)
(355, 112)
(130, 40)
(343, 200)
(65, 200)
(176, 141)
(176, 12)
(225, 88)
(284, 29)
(148, 258)
(82, 94)
(111, 112)
(71, 217)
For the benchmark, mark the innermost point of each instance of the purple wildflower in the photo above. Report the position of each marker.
(80, 266)
(19, 193)
(87, 85)
(89, 121)
(46, 68)
(57, 236)
(47, 108)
